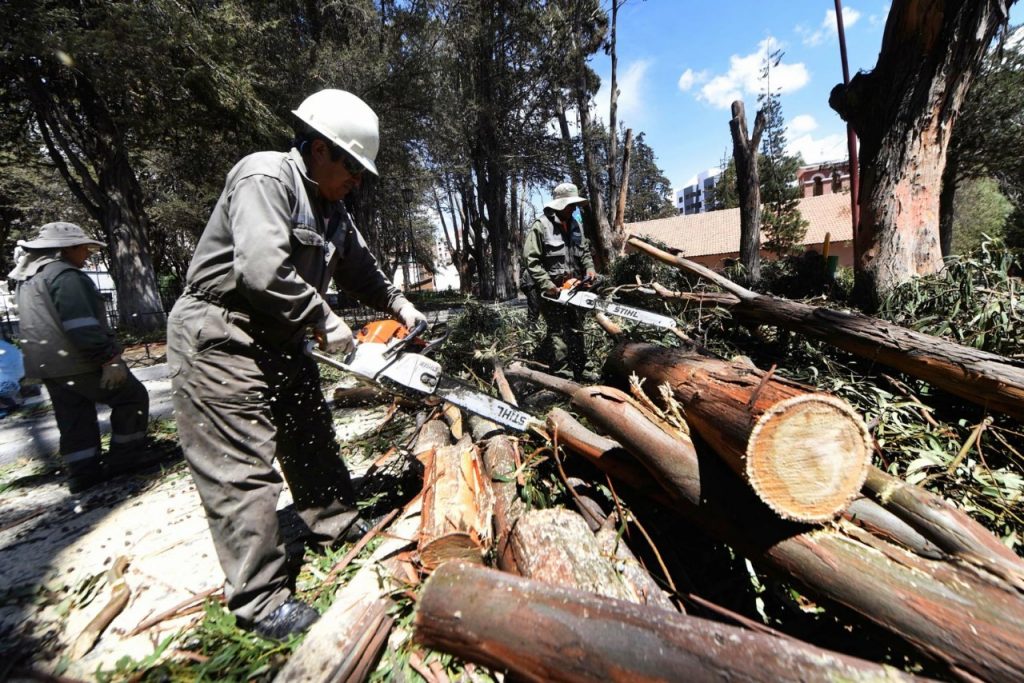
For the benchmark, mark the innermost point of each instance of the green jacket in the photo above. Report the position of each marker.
(553, 253)
(63, 326)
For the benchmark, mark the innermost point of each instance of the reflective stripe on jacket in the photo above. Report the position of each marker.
(63, 326)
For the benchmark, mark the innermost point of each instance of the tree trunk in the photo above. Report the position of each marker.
(990, 380)
(946, 199)
(457, 506)
(90, 152)
(619, 228)
(903, 112)
(567, 147)
(600, 232)
(613, 134)
(971, 621)
(748, 186)
(500, 462)
(805, 453)
(550, 633)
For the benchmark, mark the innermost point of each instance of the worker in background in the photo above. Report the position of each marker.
(244, 392)
(68, 343)
(555, 250)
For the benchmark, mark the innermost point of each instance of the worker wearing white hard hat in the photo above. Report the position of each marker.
(243, 391)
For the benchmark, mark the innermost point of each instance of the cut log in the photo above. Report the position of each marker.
(867, 514)
(345, 643)
(971, 621)
(557, 547)
(987, 379)
(805, 453)
(632, 572)
(946, 526)
(457, 506)
(550, 633)
(432, 435)
(500, 459)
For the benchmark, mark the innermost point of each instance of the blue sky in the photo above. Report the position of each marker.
(682, 63)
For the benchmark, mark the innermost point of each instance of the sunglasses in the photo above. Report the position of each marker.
(354, 168)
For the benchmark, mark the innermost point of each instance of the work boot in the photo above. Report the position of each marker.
(81, 477)
(293, 616)
(128, 459)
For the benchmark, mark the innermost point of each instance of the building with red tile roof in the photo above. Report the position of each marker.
(713, 238)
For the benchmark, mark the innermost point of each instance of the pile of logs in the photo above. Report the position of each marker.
(777, 471)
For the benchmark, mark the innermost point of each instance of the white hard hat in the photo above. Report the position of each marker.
(345, 120)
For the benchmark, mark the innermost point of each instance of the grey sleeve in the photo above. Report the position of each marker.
(260, 217)
(359, 275)
(533, 258)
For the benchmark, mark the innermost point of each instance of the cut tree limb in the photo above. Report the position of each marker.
(987, 379)
(805, 453)
(457, 506)
(970, 620)
(550, 633)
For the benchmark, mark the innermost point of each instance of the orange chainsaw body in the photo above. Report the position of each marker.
(383, 332)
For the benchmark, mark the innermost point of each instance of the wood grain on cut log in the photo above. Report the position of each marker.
(543, 632)
(500, 462)
(987, 379)
(432, 435)
(457, 506)
(805, 453)
(971, 621)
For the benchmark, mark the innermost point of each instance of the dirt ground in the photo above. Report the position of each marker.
(56, 551)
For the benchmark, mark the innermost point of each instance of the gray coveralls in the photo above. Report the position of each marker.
(66, 339)
(553, 253)
(243, 391)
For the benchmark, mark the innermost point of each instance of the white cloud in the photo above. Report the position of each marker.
(878, 19)
(804, 123)
(631, 103)
(815, 150)
(691, 78)
(827, 29)
(744, 77)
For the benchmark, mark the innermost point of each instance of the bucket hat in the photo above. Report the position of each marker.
(563, 195)
(58, 235)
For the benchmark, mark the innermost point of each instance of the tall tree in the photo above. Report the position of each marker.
(726, 194)
(903, 111)
(781, 221)
(989, 134)
(649, 189)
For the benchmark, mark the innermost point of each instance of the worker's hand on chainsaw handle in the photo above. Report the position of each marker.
(334, 336)
(409, 316)
(552, 292)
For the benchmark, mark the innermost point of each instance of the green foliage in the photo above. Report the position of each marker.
(781, 222)
(727, 194)
(979, 212)
(975, 300)
(649, 189)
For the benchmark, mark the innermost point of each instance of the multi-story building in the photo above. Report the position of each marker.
(827, 177)
(698, 195)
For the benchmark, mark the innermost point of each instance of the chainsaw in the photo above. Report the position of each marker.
(574, 291)
(395, 358)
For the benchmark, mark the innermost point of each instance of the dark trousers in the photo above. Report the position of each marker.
(563, 348)
(74, 401)
(239, 405)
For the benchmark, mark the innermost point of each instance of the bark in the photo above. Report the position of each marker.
(595, 217)
(613, 106)
(500, 459)
(903, 112)
(748, 185)
(619, 228)
(631, 571)
(345, 643)
(567, 146)
(550, 633)
(457, 506)
(968, 620)
(605, 454)
(944, 525)
(869, 515)
(557, 547)
(805, 453)
(992, 381)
